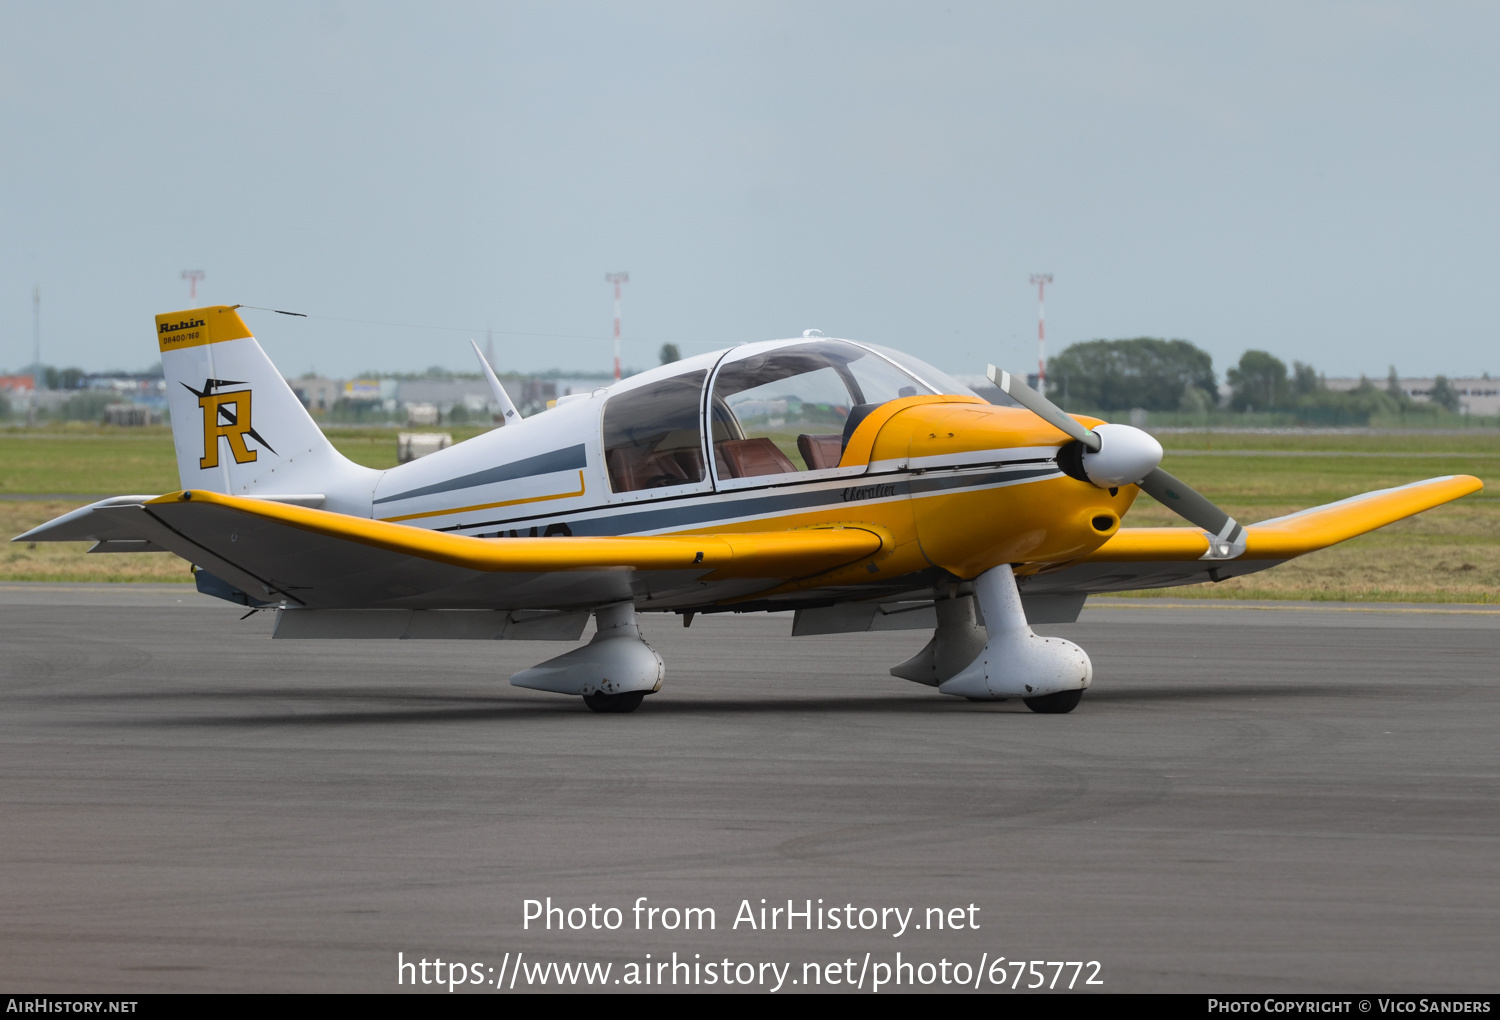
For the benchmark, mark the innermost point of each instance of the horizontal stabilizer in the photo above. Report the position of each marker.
(116, 532)
(90, 524)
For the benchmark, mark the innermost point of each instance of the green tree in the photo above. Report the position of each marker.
(1444, 395)
(1259, 382)
(1393, 385)
(1116, 375)
(1363, 401)
(1305, 380)
(1196, 400)
(670, 353)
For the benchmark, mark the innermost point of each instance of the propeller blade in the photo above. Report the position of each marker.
(1040, 406)
(1196, 508)
(1228, 537)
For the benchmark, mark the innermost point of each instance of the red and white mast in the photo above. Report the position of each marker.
(1041, 280)
(617, 279)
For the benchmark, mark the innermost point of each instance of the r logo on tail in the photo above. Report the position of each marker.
(227, 415)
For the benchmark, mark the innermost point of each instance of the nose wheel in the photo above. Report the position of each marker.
(1060, 703)
(629, 701)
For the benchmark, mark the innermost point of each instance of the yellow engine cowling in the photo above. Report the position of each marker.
(968, 530)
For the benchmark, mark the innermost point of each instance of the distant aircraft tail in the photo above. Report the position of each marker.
(238, 427)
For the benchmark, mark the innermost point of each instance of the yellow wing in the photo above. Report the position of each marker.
(273, 550)
(1167, 557)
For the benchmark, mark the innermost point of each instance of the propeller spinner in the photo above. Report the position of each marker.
(1110, 455)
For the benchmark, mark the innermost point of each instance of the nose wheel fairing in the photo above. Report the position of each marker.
(1002, 659)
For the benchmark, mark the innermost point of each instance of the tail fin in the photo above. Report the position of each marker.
(238, 427)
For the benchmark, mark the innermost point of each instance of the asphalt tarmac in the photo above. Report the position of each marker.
(1250, 799)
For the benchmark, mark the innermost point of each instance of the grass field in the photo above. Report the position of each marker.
(83, 459)
(1451, 554)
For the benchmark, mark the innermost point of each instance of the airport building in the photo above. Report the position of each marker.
(432, 400)
(1479, 396)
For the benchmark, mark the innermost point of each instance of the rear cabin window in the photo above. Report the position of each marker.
(794, 409)
(652, 436)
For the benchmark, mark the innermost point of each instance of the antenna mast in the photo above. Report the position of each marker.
(1041, 280)
(36, 336)
(617, 279)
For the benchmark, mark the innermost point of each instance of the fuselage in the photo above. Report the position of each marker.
(952, 484)
(792, 474)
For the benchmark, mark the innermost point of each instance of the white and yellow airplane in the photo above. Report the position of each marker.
(855, 485)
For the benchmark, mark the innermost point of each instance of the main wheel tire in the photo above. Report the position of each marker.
(615, 703)
(1060, 703)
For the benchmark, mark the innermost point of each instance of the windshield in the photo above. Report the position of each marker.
(792, 409)
(933, 376)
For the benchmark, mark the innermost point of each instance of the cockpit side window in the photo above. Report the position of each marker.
(652, 435)
(792, 407)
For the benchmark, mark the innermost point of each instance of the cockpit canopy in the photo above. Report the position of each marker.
(774, 410)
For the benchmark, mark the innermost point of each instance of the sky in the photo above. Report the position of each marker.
(1313, 179)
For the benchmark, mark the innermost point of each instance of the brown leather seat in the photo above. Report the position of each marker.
(632, 468)
(745, 458)
(627, 468)
(820, 452)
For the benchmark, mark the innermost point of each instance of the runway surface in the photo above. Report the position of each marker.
(1250, 799)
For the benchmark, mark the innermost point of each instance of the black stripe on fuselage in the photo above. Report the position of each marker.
(543, 464)
(711, 508)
